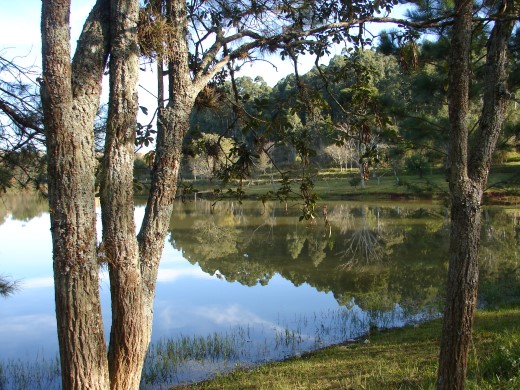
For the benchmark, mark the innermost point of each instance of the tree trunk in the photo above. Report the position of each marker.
(172, 126)
(469, 173)
(126, 351)
(70, 96)
(461, 288)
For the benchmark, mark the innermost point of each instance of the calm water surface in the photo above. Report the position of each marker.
(242, 284)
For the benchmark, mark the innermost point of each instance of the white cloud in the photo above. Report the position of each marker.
(27, 324)
(231, 315)
(46, 281)
(170, 274)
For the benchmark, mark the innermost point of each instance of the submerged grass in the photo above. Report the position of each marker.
(40, 374)
(404, 358)
(187, 359)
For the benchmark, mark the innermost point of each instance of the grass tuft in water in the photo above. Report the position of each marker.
(39, 374)
(166, 357)
(189, 358)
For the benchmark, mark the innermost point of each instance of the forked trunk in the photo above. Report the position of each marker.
(70, 96)
(469, 173)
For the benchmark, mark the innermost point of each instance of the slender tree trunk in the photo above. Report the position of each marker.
(469, 173)
(70, 96)
(172, 125)
(462, 289)
(126, 350)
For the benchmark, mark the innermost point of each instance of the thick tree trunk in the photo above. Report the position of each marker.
(126, 350)
(70, 96)
(469, 173)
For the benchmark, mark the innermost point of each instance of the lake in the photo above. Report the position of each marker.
(241, 284)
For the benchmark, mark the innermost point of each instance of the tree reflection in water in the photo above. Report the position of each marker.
(374, 256)
(22, 206)
(371, 255)
(364, 240)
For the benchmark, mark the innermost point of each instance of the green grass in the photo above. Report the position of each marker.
(330, 184)
(403, 358)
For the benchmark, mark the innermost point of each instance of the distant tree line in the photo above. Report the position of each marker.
(384, 106)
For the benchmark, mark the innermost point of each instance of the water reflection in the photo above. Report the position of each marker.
(21, 206)
(243, 283)
(373, 256)
(499, 265)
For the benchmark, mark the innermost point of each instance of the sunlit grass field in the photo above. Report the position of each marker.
(503, 185)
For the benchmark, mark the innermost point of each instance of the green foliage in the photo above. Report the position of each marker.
(418, 164)
(141, 168)
(309, 199)
(187, 191)
(6, 178)
(244, 160)
(355, 181)
(374, 105)
(144, 133)
(22, 137)
(504, 362)
(208, 154)
(23, 169)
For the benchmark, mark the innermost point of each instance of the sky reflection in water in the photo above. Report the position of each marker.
(270, 285)
(188, 300)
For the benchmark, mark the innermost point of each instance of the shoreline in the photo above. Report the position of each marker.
(393, 358)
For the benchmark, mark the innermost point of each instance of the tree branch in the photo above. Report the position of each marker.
(496, 97)
(92, 51)
(19, 119)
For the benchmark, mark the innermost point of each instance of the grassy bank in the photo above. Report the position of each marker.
(503, 187)
(395, 359)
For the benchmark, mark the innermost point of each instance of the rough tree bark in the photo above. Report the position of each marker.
(172, 125)
(70, 97)
(469, 172)
(126, 351)
(134, 261)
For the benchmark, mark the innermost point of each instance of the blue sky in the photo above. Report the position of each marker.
(20, 27)
(20, 36)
